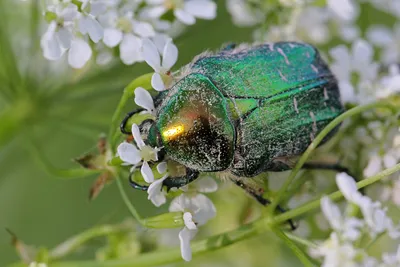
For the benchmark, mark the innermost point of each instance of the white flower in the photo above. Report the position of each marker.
(185, 11)
(123, 29)
(389, 84)
(344, 9)
(359, 61)
(87, 21)
(348, 228)
(374, 215)
(388, 40)
(243, 14)
(144, 100)
(198, 209)
(58, 37)
(155, 193)
(133, 156)
(335, 252)
(391, 260)
(161, 55)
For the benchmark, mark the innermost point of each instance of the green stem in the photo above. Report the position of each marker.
(127, 202)
(300, 240)
(318, 140)
(142, 81)
(219, 241)
(296, 250)
(164, 257)
(75, 242)
(334, 196)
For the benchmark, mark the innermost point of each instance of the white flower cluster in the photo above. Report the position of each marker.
(161, 54)
(360, 62)
(79, 27)
(344, 246)
(197, 209)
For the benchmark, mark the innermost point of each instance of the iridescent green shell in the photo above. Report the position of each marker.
(275, 97)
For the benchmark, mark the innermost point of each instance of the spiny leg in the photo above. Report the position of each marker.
(180, 181)
(170, 182)
(263, 201)
(125, 120)
(327, 166)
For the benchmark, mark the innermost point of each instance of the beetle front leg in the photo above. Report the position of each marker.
(180, 181)
(263, 201)
(170, 182)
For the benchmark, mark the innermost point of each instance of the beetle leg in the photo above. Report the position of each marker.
(125, 120)
(170, 182)
(136, 185)
(263, 201)
(180, 181)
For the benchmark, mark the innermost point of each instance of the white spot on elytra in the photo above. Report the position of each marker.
(326, 94)
(292, 45)
(282, 76)
(314, 126)
(308, 54)
(295, 105)
(315, 69)
(312, 137)
(280, 51)
(271, 46)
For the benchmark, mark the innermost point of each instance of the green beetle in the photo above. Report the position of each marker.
(243, 110)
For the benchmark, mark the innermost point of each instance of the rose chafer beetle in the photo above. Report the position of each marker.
(243, 111)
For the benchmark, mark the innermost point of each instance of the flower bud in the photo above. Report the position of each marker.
(166, 220)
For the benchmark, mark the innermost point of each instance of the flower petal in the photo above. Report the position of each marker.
(157, 83)
(162, 167)
(155, 193)
(154, 12)
(170, 55)
(205, 209)
(188, 219)
(344, 9)
(184, 17)
(130, 49)
(143, 29)
(206, 185)
(151, 55)
(144, 99)
(79, 53)
(147, 173)
(137, 136)
(204, 9)
(177, 204)
(97, 8)
(49, 43)
(129, 153)
(88, 24)
(159, 41)
(185, 235)
(64, 37)
(331, 212)
(112, 37)
(348, 187)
